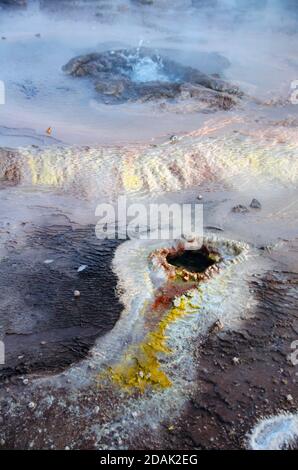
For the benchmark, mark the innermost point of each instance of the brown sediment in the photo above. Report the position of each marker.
(10, 168)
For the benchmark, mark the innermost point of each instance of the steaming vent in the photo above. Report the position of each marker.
(149, 69)
(141, 74)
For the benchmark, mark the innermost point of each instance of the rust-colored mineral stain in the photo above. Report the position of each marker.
(140, 366)
(187, 265)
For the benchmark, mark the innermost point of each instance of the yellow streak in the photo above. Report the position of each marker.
(140, 367)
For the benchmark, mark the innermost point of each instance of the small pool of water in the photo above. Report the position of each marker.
(148, 70)
(195, 261)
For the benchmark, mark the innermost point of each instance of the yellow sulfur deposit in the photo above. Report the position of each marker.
(140, 367)
(130, 179)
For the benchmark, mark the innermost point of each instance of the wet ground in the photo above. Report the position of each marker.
(46, 327)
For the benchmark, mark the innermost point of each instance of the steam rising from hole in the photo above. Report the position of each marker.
(147, 70)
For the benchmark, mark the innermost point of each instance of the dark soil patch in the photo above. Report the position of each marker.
(45, 328)
(195, 261)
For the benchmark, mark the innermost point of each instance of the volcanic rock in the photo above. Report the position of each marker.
(240, 209)
(255, 204)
